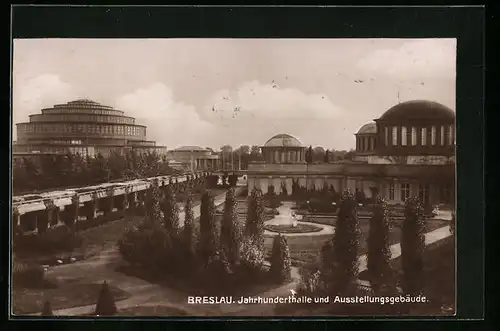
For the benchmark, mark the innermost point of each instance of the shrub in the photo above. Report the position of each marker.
(105, 303)
(310, 281)
(147, 245)
(412, 246)
(230, 236)
(327, 266)
(280, 260)
(47, 309)
(252, 256)
(346, 244)
(379, 253)
(26, 275)
(56, 240)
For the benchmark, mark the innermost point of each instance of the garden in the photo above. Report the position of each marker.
(219, 254)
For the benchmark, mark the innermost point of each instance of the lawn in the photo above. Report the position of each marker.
(306, 249)
(98, 238)
(289, 228)
(67, 295)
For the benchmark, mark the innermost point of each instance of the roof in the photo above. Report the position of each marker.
(191, 149)
(369, 128)
(283, 140)
(418, 109)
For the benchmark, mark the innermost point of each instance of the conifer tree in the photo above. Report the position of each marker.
(412, 246)
(152, 209)
(280, 260)
(105, 303)
(255, 218)
(379, 252)
(346, 244)
(47, 309)
(188, 229)
(230, 230)
(170, 211)
(208, 228)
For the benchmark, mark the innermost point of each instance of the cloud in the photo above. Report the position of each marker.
(268, 101)
(31, 95)
(39, 92)
(424, 58)
(168, 121)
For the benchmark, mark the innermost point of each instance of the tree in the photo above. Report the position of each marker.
(280, 260)
(318, 154)
(230, 236)
(252, 247)
(309, 155)
(152, 209)
(170, 211)
(379, 252)
(346, 244)
(105, 303)
(117, 165)
(208, 228)
(47, 309)
(188, 229)
(327, 156)
(255, 218)
(349, 155)
(412, 246)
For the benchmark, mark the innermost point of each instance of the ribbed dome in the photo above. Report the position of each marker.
(283, 140)
(418, 109)
(368, 128)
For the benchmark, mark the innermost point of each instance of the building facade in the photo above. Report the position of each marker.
(194, 158)
(408, 151)
(82, 126)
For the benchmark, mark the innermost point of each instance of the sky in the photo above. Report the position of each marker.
(212, 92)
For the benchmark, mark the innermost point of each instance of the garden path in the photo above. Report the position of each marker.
(102, 267)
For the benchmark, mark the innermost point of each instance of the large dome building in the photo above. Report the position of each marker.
(283, 148)
(412, 132)
(408, 151)
(82, 126)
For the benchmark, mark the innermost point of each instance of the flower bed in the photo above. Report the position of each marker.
(289, 228)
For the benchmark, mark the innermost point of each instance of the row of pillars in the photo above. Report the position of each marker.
(70, 215)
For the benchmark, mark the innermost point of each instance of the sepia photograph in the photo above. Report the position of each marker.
(233, 177)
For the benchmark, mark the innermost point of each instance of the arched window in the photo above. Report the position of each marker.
(413, 136)
(450, 135)
(404, 136)
(441, 140)
(424, 136)
(433, 135)
(394, 136)
(386, 132)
